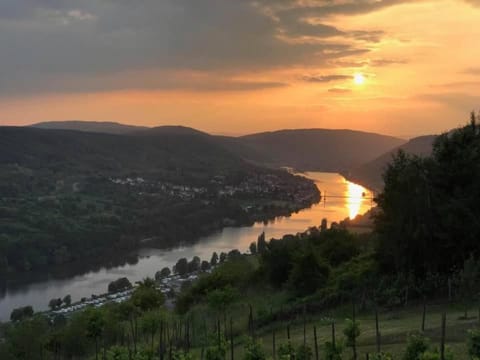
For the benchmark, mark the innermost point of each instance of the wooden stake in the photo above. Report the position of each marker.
(274, 347)
(424, 314)
(442, 343)
(316, 342)
(231, 339)
(377, 330)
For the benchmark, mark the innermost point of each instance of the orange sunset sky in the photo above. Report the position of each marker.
(397, 67)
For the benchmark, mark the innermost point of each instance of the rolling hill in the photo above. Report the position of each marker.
(89, 126)
(319, 149)
(303, 149)
(370, 173)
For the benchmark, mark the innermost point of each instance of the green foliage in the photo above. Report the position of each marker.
(146, 297)
(217, 352)
(304, 352)
(21, 313)
(119, 285)
(308, 274)
(333, 351)
(253, 350)
(351, 331)
(428, 210)
(473, 343)
(417, 345)
(286, 351)
(381, 356)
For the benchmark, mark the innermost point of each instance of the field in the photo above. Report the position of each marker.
(394, 326)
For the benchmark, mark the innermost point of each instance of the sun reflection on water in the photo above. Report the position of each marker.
(355, 196)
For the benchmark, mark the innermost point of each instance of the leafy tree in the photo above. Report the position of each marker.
(194, 265)
(417, 345)
(333, 351)
(181, 267)
(165, 272)
(223, 257)
(67, 300)
(304, 352)
(324, 225)
(253, 350)
(95, 327)
(468, 279)
(261, 244)
(253, 248)
(25, 338)
(119, 285)
(308, 274)
(473, 343)
(352, 332)
(214, 260)
(147, 298)
(21, 313)
(205, 265)
(55, 303)
(286, 351)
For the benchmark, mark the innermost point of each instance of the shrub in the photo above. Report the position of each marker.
(417, 345)
(304, 352)
(333, 351)
(473, 343)
(286, 352)
(253, 350)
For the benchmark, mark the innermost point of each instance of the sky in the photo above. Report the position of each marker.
(397, 67)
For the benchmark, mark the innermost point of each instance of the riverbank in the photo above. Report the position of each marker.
(83, 280)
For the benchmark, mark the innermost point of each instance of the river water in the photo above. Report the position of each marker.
(343, 199)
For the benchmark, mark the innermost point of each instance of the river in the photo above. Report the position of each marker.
(343, 199)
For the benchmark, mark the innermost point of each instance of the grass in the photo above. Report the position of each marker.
(395, 326)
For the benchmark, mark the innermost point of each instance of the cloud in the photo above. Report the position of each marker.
(326, 78)
(472, 70)
(339, 90)
(63, 45)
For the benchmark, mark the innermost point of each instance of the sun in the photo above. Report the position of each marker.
(359, 79)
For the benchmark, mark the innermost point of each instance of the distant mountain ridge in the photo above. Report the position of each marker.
(370, 173)
(320, 149)
(303, 149)
(107, 127)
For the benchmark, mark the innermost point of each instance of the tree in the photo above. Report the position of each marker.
(21, 313)
(95, 324)
(308, 274)
(181, 267)
(468, 279)
(214, 260)
(324, 225)
(253, 248)
(67, 300)
(234, 254)
(194, 265)
(205, 265)
(55, 303)
(352, 332)
(261, 243)
(417, 345)
(223, 257)
(119, 285)
(162, 274)
(147, 298)
(254, 350)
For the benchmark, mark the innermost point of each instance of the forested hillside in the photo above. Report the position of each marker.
(69, 196)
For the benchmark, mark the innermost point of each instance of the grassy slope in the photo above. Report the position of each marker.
(394, 327)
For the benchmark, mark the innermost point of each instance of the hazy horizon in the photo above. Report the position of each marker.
(396, 67)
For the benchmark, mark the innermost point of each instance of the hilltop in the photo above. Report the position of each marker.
(304, 149)
(370, 173)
